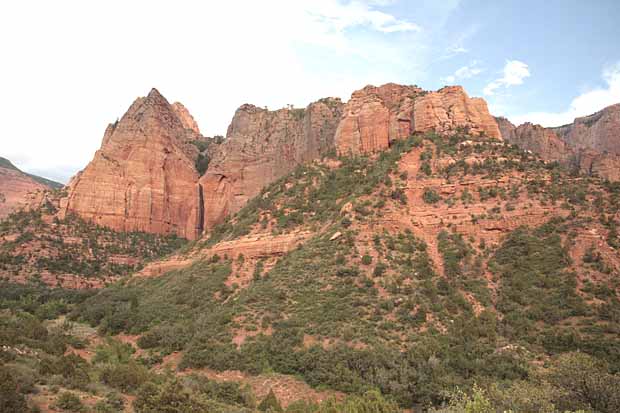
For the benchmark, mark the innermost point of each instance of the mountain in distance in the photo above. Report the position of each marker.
(15, 186)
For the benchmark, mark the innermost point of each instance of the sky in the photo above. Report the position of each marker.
(68, 68)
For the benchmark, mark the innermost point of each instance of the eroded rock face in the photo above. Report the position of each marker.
(591, 144)
(260, 147)
(143, 177)
(450, 108)
(599, 132)
(374, 116)
(542, 142)
(187, 120)
(15, 189)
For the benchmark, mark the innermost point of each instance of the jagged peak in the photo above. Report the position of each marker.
(154, 94)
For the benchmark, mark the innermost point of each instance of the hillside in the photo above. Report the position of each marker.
(444, 261)
(16, 186)
(39, 245)
(465, 248)
(373, 255)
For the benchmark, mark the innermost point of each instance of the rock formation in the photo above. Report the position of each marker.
(143, 177)
(377, 115)
(15, 187)
(541, 141)
(450, 108)
(599, 132)
(590, 144)
(374, 116)
(187, 120)
(146, 176)
(260, 147)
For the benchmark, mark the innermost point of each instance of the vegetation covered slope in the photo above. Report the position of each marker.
(37, 245)
(5, 163)
(445, 262)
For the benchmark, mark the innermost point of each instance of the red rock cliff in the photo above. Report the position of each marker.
(143, 177)
(599, 132)
(260, 147)
(450, 108)
(374, 116)
(590, 144)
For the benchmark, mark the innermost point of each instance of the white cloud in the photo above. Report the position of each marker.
(340, 17)
(465, 72)
(73, 66)
(514, 73)
(585, 104)
(454, 50)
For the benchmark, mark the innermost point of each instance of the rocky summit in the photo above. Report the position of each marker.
(144, 175)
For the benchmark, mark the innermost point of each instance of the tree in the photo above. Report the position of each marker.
(270, 403)
(11, 399)
(583, 382)
(171, 398)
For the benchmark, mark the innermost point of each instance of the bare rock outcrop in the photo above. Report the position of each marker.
(187, 120)
(143, 177)
(262, 146)
(450, 108)
(375, 116)
(591, 144)
(543, 142)
(599, 132)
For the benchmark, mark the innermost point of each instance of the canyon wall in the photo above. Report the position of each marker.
(375, 116)
(146, 176)
(591, 144)
(262, 146)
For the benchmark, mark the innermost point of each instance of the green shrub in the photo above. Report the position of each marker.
(124, 377)
(270, 403)
(11, 397)
(366, 259)
(430, 196)
(69, 402)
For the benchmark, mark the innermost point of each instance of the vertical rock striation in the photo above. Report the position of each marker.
(262, 146)
(143, 178)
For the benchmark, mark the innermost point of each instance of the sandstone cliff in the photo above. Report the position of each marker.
(541, 141)
(377, 115)
(144, 176)
(450, 108)
(262, 146)
(374, 116)
(599, 132)
(590, 144)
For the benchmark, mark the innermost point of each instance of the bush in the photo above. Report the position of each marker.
(11, 398)
(461, 402)
(430, 196)
(70, 402)
(584, 383)
(380, 269)
(124, 377)
(169, 398)
(366, 259)
(270, 403)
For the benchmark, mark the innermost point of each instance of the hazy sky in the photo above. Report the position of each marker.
(68, 68)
